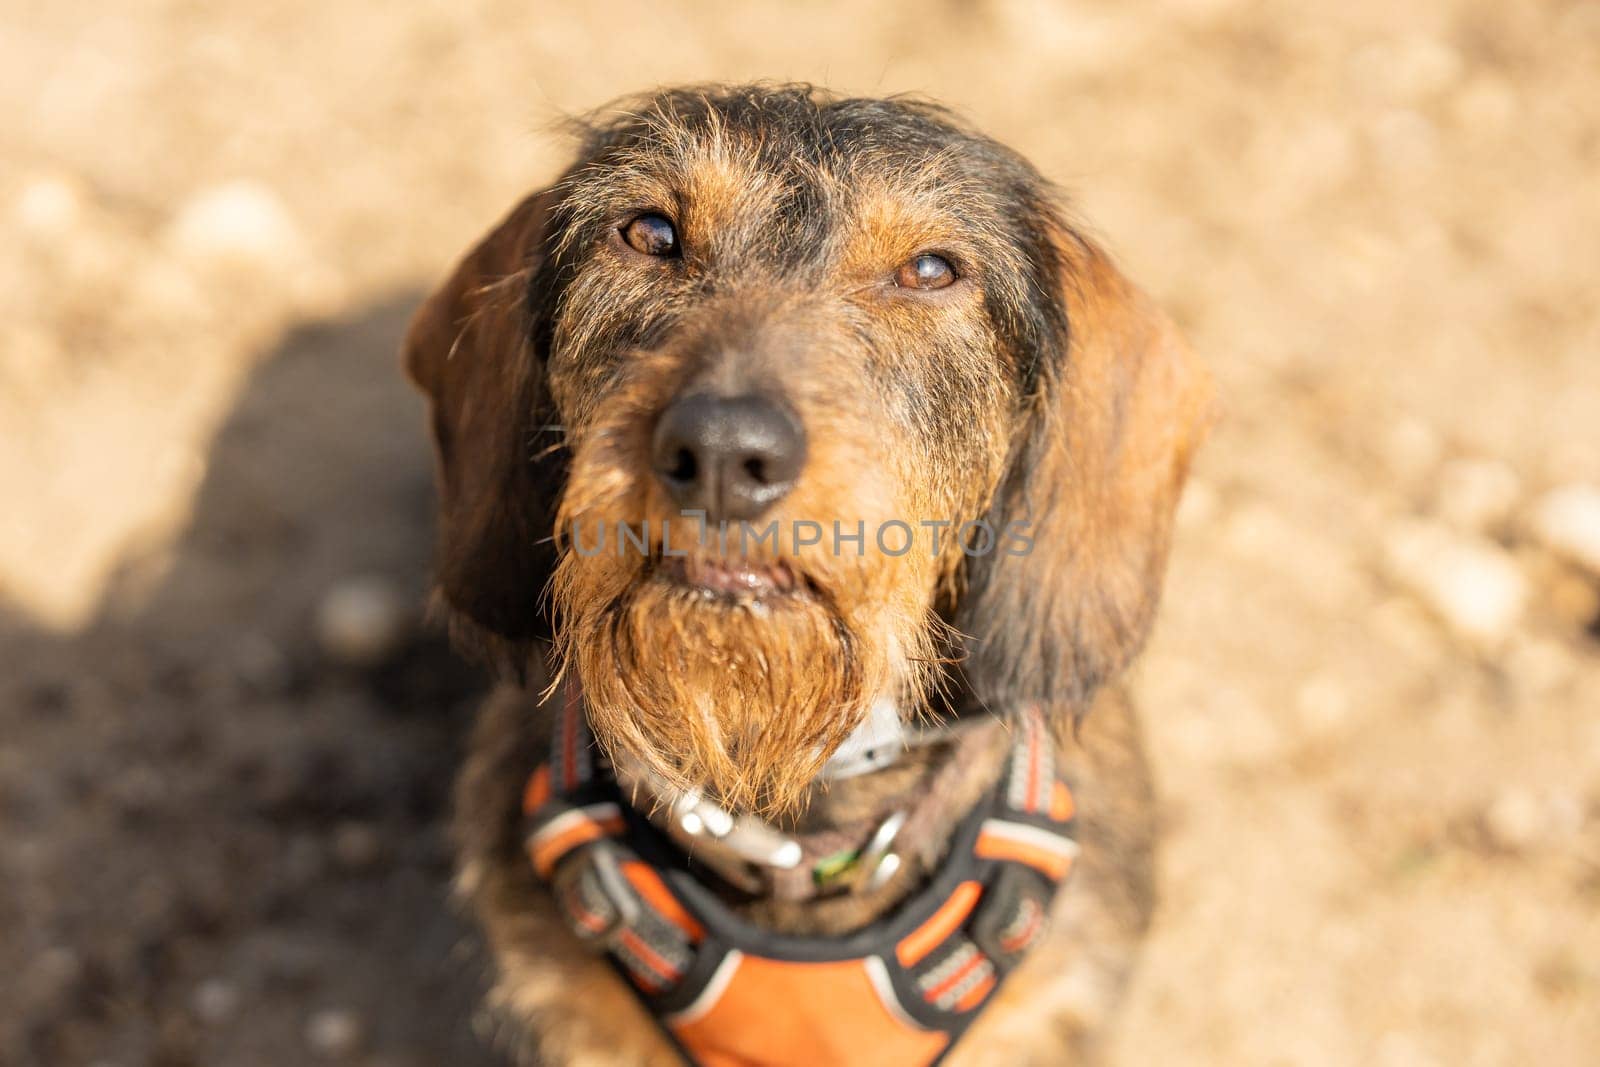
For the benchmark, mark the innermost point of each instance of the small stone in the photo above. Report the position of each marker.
(335, 1033)
(1411, 449)
(1567, 521)
(1515, 820)
(357, 846)
(48, 206)
(240, 222)
(215, 1001)
(1476, 494)
(361, 621)
(1471, 584)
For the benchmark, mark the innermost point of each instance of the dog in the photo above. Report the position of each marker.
(776, 773)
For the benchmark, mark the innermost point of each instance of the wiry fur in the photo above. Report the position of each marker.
(1041, 388)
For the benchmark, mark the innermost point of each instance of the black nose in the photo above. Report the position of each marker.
(731, 456)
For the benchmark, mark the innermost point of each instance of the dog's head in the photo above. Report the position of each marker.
(773, 403)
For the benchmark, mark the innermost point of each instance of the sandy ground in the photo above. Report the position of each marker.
(1372, 698)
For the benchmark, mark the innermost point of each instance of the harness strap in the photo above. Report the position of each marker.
(930, 966)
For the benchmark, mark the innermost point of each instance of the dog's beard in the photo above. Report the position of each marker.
(744, 702)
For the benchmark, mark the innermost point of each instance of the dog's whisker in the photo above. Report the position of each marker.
(547, 451)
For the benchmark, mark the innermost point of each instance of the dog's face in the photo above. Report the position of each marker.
(777, 393)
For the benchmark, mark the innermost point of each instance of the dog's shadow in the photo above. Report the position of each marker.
(226, 848)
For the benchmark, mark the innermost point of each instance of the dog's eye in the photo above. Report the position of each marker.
(651, 235)
(926, 271)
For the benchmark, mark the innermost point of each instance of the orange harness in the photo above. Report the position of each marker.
(900, 991)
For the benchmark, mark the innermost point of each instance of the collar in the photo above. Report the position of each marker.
(860, 856)
(873, 745)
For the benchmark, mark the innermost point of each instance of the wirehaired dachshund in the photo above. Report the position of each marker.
(811, 478)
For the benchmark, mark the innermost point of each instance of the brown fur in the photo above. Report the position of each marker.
(1041, 387)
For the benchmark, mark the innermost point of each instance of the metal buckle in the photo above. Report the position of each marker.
(747, 838)
(877, 863)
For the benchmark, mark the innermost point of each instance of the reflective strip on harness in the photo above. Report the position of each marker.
(571, 763)
(1032, 771)
(1019, 933)
(960, 980)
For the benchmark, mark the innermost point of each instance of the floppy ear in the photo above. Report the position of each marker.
(1095, 476)
(472, 347)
